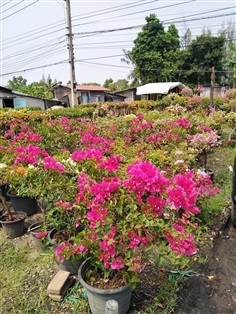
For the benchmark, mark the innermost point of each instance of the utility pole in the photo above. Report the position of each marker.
(71, 56)
(212, 87)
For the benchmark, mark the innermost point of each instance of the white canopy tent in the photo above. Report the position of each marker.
(158, 88)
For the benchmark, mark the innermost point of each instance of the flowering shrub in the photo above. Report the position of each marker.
(231, 93)
(194, 102)
(124, 181)
(126, 217)
(187, 92)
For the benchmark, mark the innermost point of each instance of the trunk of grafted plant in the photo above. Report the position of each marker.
(233, 216)
(6, 206)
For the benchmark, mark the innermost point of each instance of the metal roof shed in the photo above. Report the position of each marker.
(159, 88)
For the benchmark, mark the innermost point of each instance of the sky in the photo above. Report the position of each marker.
(33, 40)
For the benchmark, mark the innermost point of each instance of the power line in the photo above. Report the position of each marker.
(5, 4)
(35, 68)
(60, 4)
(34, 58)
(203, 18)
(19, 10)
(27, 51)
(148, 10)
(49, 26)
(155, 69)
(141, 25)
(12, 6)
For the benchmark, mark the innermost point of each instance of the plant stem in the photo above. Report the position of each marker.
(5, 205)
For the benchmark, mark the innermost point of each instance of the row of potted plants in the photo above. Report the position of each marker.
(118, 186)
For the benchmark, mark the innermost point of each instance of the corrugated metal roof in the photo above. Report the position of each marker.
(158, 88)
(91, 88)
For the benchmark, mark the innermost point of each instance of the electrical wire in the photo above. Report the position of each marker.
(5, 4)
(128, 14)
(12, 6)
(59, 23)
(27, 51)
(158, 69)
(35, 68)
(19, 10)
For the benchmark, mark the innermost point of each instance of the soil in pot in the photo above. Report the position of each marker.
(15, 227)
(59, 236)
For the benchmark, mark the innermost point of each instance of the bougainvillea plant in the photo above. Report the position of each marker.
(125, 217)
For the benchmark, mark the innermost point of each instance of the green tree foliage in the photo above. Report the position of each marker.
(155, 55)
(228, 31)
(41, 89)
(16, 82)
(107, 83)
(202, 54)
(119, 85)
(91, 83)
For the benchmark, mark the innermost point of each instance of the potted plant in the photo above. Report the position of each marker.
(13, 223)
(60, 225)
(20, 179)
(124, 218)
(204, 141)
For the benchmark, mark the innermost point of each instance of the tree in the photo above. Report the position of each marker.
(41, 89)
(119, 85)
(186, 39)
(155, 55)
(201, 55)
(91, 83)
(16, 82)
(107, 83)
(230, 65)
(228, 32)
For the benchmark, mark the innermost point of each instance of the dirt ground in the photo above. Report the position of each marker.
(213, 289)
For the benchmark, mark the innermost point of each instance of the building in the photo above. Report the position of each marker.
(151, 91)
(129, 94)
(14, 99)
(85, 93)
(218, 90)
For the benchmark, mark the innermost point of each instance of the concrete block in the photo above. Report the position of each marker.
(55, 297)
(59, 297)
(58, 281)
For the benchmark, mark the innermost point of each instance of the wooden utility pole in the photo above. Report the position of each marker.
(71, 56)
(212, 87)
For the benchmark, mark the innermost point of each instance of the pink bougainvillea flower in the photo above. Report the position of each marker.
(117, 263)
(51, 163)
(30, 154)
(135, 240)
(183, 244)
(41, 235)
(111, 164)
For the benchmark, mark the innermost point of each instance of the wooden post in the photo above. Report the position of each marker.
(71, 56)
(212, 87)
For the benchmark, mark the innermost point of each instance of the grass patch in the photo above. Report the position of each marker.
(24, 280)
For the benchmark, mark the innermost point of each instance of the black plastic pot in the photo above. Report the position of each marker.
(14, 228)
(23, 203)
